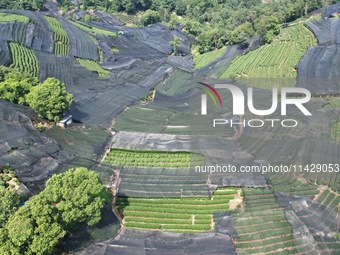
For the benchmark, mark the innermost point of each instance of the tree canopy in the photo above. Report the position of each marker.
(50, 99)
(215, 23)
(175, 43)
(9, 203)
(69, 199)
(14, 86)
(23, 4)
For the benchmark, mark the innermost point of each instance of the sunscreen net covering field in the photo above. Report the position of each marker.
(146, 242)
(157, 150)
(137, 65)
(318, 69)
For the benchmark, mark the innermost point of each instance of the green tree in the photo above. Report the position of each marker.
(50, 99)
(9, 203)
(267, 27)
(78, 195)
(69, 199)
(35, 5)
(242, 34)
(193, 28)
(14, 86)
(180, 7)
(150, 17)
(175, 44)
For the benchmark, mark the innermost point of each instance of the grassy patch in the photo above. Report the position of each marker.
(60, 37)
(122, 157)
(8, 17)
(92, 29)
(206, 58)
(276, 60)
(93, 66)
(187, 214)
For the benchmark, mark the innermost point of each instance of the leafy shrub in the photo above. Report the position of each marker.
(6, 178)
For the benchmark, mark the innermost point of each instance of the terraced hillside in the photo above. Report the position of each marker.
(156, 191)
(276, 60)
(60, 37)
(263, 228)
(206, 58)
(129, 59)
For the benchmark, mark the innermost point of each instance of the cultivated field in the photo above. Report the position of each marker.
(185, 214)
(61, 40)
(24, 59)
(122, 157)
(276, 60)
(263, 227)
(206, 58)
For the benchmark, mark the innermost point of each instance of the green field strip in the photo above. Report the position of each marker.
(255, 235)
(262, 226)
(172, 214)
(270, 241)
(255, 221)
(206, 58)
(93, 66)
(276, 60)
(335, 132)
(153, 158)
(24, 59)
(92, 29)
(272, 247)
(61, 45)
(9, 17)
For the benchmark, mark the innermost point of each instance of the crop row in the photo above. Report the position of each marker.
(263, 242)
(335, 132)
(177, 201)
(24, 59)
(290, 184)
(60, 37)
(167, 227)
(153, 215)
(169, 221)
(153, 158)
(329, 199)
(172, 214)
(173, 208)
(272, 248)
(276, 60)
(262, 227)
